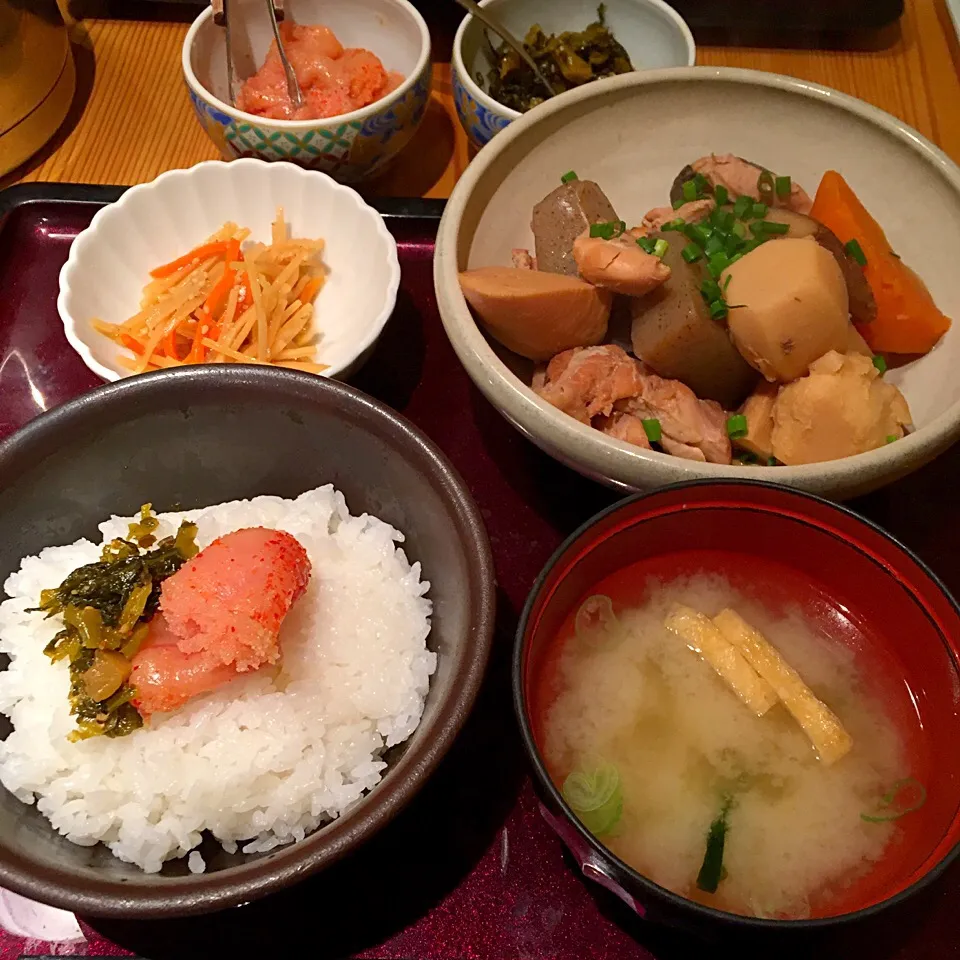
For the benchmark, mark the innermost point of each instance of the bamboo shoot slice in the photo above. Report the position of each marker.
(818, 721)
(702, 636)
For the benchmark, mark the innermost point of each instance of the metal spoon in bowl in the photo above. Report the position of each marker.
(221, 17)
(498, 28)
(293, 87)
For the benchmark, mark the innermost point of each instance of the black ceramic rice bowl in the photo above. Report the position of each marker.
(209, 434)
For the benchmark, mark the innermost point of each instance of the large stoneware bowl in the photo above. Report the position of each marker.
(633, 134)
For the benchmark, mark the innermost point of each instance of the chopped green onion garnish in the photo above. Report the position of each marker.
(773, 228)
(739, 230)
(759, 211)
(737, 426)
(782, 186)
(880, 363)
(595, 796)
(607, 230)
(660, 247)
(891, 437)
(742, 207)
(653, 430)
(720, 194)
(696, 233)
(713, 245)
(893, 805)
(771, 461)
(718, 310)
(691, 253)
(710, 291)
(711, 871)
(568, 176)
(854, 249)
(718, 263)
(732, 244)
(678, 203)
(700, 182)
(725, 220)
(765, 187)
(646, 244)
(677, 224)
(759, 230)
(689, 191)
(737, 256)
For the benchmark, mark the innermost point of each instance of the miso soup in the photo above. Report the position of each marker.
(679, 777)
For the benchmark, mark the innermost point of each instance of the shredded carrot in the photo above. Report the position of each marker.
(131, 344)
(170, 344)
(196, 354)
(310, 289)
(198, 253)
(221, 290)
(219, 303)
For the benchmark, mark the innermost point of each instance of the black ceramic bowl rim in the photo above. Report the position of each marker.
(657, 892)
(236, 885)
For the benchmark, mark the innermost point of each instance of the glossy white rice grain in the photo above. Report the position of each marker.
(262, 761)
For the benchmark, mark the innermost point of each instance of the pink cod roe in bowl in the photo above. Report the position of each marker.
(333, 80)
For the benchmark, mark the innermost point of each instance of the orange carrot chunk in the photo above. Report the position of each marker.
(907, 319)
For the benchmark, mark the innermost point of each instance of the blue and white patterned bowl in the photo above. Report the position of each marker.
(652, 33)
(352, 147)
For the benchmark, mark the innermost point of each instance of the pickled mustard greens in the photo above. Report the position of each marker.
(567, 60)
(106, 607)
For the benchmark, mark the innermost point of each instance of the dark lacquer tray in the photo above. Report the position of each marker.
(470, 870)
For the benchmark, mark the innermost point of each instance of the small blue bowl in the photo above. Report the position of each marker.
(652, 33)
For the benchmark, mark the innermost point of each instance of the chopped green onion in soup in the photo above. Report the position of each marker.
(595, 618)
(905, 796)
(594, 794)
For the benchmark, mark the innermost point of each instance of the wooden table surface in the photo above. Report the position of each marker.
(132, 119)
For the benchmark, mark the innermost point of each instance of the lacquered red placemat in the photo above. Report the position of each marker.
(470, 870)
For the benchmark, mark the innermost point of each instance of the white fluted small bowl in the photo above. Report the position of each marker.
(153, 223)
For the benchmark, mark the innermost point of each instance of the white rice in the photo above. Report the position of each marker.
(262, 761)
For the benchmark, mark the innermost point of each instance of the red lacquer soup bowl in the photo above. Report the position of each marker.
(785, 549)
